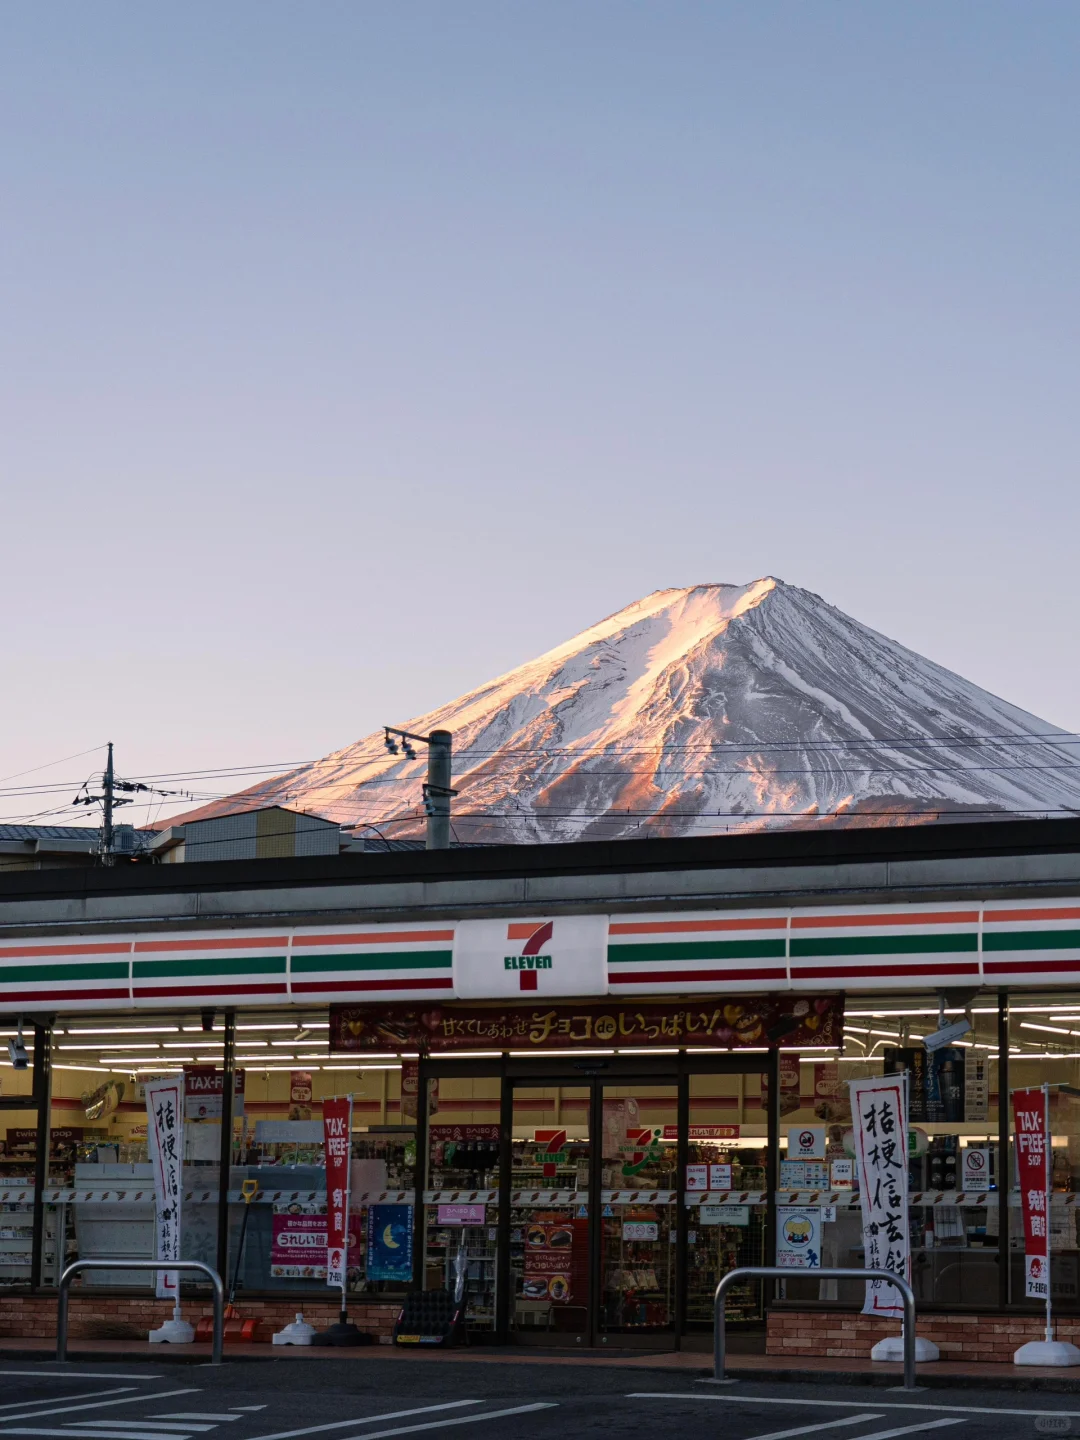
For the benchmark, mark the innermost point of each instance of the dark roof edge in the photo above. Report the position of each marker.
(792, 847)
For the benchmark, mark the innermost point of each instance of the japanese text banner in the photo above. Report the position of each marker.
(337, 1138)
(1032, 1161)
(165, 1144)
(879, 1113)
(760, 1021)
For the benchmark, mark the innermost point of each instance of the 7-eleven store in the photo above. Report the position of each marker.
(595, 1078)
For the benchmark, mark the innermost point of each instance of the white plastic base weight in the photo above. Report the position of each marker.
(298, 1333)
(892, 1348)
(1047, 1352)
(174, 1331)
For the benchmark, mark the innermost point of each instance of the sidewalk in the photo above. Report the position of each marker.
(944, 1373)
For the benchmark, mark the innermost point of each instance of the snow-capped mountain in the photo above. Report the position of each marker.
(697, 711)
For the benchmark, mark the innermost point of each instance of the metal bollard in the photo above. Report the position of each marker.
(776, 1272)
(73, 1269)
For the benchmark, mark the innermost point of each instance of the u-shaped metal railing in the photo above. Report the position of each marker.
(776, 1272)
(155, 1265)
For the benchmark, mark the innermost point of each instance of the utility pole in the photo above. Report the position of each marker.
(437, 791)
(108, 858)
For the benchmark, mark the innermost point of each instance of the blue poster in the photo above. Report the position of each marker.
(389, 1242)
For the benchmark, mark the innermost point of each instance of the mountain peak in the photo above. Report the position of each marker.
(701, 709)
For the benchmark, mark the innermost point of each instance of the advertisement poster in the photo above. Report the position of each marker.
(337, 1141)
(937, 1082)
(410, 1090)
(764, 1021)
(976, 1084)
(879, 1110)
(301, 1092)
(1033, 1175)
(798, 1236)
(789, 1085)
(165, 1144)
(202, 1092)
(549, 1252)
(298, 1244)
(831, 1100)
(389, 1243)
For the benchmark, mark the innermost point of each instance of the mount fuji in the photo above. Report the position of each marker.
(698, 711)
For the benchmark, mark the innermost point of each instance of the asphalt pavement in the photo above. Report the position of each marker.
(332, 1401)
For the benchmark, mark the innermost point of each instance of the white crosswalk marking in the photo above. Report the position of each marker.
(910, 1429)
(74, 1432)
(169, 1426)
(472, 1419)
(821, 1425)
(730, 1398)
(99, 1404)
(198, 1415)
(51, 1399)
(365, 1420)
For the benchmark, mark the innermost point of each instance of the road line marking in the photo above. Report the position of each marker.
(367, 1420)
(473, 1419)
(51, 1399)
(247, 1407)
(909, 1429)
(153, 1422)
(77, 1375)
(97, 1404)
(824, 1425)
(72, 1431)
(847, 1404)
(195, 1415)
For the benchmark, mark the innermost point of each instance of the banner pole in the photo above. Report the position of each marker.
(1047, 1143)
(344, 1316)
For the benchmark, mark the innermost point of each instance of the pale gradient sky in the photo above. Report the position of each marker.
(353, 353)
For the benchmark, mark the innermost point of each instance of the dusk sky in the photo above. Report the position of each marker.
(354, 353)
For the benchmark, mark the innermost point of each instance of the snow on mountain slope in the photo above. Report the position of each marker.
(700, 710)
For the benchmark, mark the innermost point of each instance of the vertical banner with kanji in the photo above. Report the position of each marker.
(337, 1139)
(165, 1142)
(1033, 1172)
(879, 1114)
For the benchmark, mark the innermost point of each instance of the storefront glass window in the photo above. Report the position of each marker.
(461, 1212)
(552, 1155)
(725, 1196)
(1044, 1048)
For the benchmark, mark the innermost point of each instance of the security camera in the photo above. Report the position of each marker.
(20, 1060)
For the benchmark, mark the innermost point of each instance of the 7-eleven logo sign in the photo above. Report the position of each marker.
(644, 1146)
(529, 961)
(551, 1143)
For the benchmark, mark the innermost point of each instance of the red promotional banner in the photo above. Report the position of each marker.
(337, 1139)
(1030, 1109)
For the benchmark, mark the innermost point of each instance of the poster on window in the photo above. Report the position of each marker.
(789, 1084)
(879, 1113)
(298, 1243)
(337, 1140)
(165, 1142)
(798, 1236)
(1030, 1109)
(203, 1089)
(548, 1268)
(389, 1243)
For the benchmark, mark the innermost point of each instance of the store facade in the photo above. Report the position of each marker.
(589, 1079)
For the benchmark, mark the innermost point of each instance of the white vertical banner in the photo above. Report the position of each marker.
(879, 1110)
(165, 1139)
